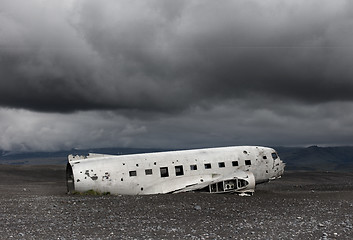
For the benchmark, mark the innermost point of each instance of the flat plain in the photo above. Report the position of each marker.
(300, 205)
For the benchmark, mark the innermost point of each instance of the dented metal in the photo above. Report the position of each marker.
(213, 170)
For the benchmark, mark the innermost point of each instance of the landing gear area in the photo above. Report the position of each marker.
(234, 185)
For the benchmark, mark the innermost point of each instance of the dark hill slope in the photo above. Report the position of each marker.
(317, 158)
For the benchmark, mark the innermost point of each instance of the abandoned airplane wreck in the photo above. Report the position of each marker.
(215, 170)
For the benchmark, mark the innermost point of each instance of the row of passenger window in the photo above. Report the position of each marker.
(179, 170)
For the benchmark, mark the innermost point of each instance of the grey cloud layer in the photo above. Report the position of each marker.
(169, 56)
(221, 125)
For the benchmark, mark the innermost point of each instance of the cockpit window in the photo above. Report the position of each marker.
(274, 156)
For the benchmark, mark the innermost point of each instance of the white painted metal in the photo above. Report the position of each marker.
(232, 169)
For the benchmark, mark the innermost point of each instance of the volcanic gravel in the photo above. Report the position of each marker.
(301, 205)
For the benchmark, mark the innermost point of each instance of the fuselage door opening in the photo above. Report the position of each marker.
(69, 179)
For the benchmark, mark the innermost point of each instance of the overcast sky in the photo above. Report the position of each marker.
(175, 74)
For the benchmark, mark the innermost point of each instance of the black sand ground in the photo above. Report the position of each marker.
(301, 205)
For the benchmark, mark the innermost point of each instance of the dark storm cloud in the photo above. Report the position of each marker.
(171, 55)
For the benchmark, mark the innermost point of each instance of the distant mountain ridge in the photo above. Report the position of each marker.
(316, 158)
(312, 158)
(60, 157)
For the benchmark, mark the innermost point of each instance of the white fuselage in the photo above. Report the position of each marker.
(164, 172)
